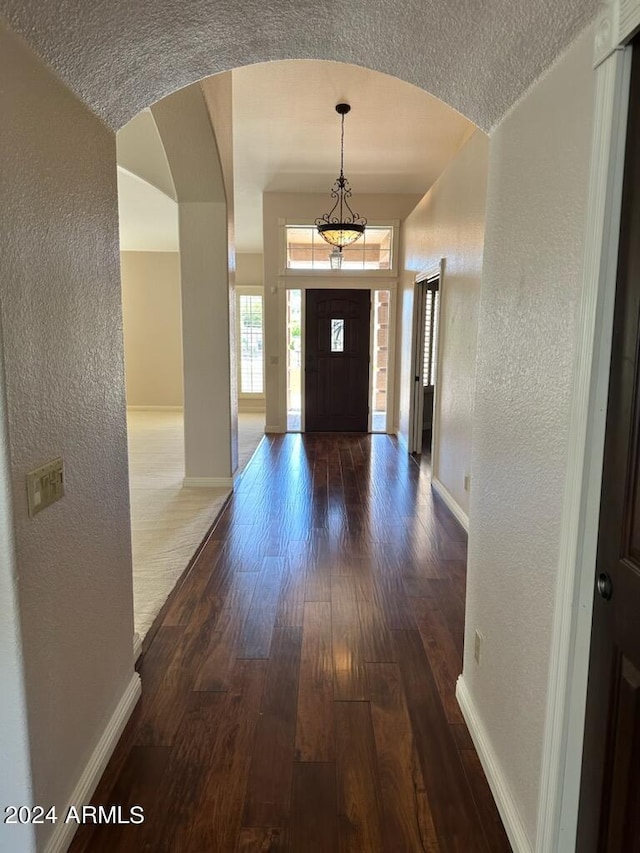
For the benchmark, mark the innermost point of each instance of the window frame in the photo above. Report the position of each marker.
(430, 359)
(248, 290)
(301, 222)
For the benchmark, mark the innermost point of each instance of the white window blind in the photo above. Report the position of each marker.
(431, 312)
(250, 323)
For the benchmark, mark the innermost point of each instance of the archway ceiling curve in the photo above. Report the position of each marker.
(121, 57)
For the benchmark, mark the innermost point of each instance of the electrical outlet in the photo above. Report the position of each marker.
(45, 485)
(467, 482)
(477, 649)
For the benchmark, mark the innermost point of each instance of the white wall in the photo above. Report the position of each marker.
(152, 318)
(303, 207)
(15, 769)
(249, 269)
(536, 204)
(218, 95)
(448, 223)
(140, 151)
(63, 356)
(210, 420)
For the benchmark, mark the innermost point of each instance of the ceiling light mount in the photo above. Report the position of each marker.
(341, 226)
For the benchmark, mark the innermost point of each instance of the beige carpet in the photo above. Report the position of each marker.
(168, 522)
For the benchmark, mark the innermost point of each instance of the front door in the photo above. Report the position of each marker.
(609, 817)
(337, 360)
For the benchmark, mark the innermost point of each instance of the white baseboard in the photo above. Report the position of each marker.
(451, 502)
(137, 647)
(208, 482)
(273, 428)
(88, 782)
(154, 408)
(511, 819)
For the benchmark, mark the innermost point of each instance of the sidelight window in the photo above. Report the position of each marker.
(250, 337)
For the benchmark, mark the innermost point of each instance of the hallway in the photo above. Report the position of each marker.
(299, 694)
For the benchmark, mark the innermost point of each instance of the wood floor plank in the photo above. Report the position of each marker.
(358, 784)
(269, 787)
(217, 810)
(255, 839)
(290, 611)
(162, 717)
(258, 628)
(188, 598)
(299, 692)
(407, 820)
(314, 819)
(349, 672)
(491, 823)
(456, 820)
(444, 658)
(216, 667)
(168, 827)
(318, 581)
(135, 786)
(315, 729)
(152, 668)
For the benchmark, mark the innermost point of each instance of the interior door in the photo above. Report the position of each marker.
(337, 360)
(609, 816)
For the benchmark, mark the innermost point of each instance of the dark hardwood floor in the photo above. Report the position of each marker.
(299, 693)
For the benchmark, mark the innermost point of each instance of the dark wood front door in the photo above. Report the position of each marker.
(337, 360)
(609, 818)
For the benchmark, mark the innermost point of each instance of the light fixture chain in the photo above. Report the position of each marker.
(341, 163)
(344, 228)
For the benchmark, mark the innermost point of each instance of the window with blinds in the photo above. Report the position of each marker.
(250, 335)
(431, 311)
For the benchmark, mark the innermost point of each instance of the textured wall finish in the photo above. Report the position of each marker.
(449, 223)
(121, 57)
(63, 353)
(152, 317)
(536, 205)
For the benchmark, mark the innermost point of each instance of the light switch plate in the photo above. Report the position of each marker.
(45, 485)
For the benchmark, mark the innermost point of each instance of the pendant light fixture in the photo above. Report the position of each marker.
(341, 226)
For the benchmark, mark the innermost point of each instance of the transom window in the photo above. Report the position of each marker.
(306, 250)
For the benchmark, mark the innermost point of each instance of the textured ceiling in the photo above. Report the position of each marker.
(120, 56)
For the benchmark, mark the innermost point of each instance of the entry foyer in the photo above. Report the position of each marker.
(299, 693)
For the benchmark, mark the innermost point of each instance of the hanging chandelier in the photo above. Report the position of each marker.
(341, 226)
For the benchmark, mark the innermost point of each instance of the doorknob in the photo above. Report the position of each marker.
(604, 586)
